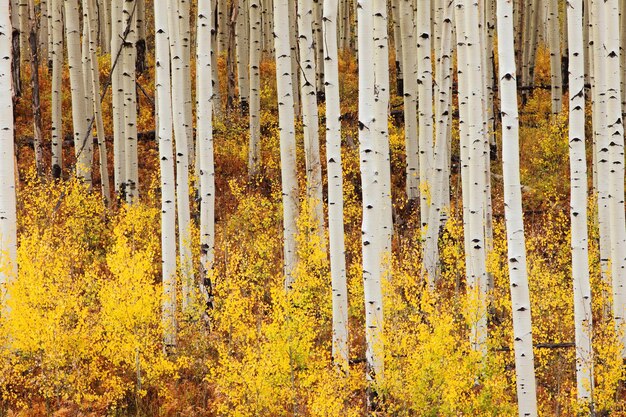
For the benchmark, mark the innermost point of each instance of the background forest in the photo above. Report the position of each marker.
(134, 290)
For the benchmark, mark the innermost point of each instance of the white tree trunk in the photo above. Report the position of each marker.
(287, 132)
(117, 94)
(242, 46)
(371, 239)
(129, 57)
(182, 156)
(425, 93)
(554, 39)
(57, 83)
(309, 114)
(254, 151)
(335, 189)
(583, 321)
(8, 208)
(168, 185)
(440, 172)
(520, 295)
(381, 130)
(409, 62)
(615, 153)
(476, 263)
(93, 76)
(83, 143)
(204, 112)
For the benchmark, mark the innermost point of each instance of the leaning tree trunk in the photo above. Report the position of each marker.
(83, 143)
(371, 231)
(182, 154)
(254, 151)
(287, 133)
(310, 120)
(335, 189)
(583, 321)
(520, 294)
(204, 123)
(8, 208)
(57, 82)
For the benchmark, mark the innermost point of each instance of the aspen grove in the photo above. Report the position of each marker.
(312, 208)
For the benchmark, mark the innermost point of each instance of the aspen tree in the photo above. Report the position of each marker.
(242, 48)
(34, 74)
(318, 47)
(601, 137)
(335, 188)
(409, 62)
(222, 26)
(43, 36)
(82, 138)
(476, 264)
(204, 124)
(140, 44)
(425, 93)
(182, 156)
(397, 43)
(183, 23)
(440, 173)
(92, 77)
(8, 208)
(57, 82)
(615, 156)
(168, 185)
(370, 234)
(622, 39)
(16, 52)
(287, 133)
(22, 16)
(583, 321)
(520, 295)
(554, 40)
(104, 15)
(217, 98)
(129, 59)
(117, 95)
(309, 113)
(295, 58)
(381, 129)
(254, 151)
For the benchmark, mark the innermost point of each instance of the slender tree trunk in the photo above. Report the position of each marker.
(397, 43)
(335, 188)
(254, 151)
(409, 62)
(82, 138)
(287, 133)
(520, 295)
(141, 65)
(129, 59)
(554, 39)
(8, 208)
(34, 83)
(615, 154)
(182, 156)
(476, 262)
(425, 92)
(94, 85)
(309, 114)
(168, 185)
(204, 114)
(242, 47)
(440, 173)
(583, 321)
(117, 92)
(295, 57)
(57, 82)
(371, 231)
